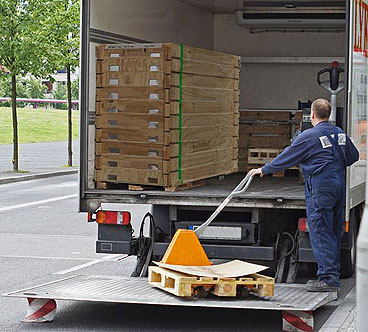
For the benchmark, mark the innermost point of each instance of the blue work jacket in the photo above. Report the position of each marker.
(314, 151)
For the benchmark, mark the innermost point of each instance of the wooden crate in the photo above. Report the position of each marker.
(184, 285)
(262, 131)
(165, 116)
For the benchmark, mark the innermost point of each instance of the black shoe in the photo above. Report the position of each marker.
(320, 286)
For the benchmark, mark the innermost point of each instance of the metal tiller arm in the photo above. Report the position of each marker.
(239, 189)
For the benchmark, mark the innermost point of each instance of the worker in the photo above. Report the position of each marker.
(324, 152)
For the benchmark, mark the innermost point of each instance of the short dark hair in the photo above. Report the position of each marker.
(321, 108)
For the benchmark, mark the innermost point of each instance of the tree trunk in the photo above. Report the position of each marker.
(70, 125)
(15, 122)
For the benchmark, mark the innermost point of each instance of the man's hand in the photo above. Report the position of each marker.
(256, 171)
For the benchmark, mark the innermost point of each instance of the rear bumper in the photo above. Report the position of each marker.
(212, 251)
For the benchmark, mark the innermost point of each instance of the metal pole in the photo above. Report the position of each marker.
(362, 268)
(362, 273)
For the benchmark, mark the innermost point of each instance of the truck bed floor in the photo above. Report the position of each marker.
(263, 192)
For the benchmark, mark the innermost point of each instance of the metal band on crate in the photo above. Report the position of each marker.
(180, 109)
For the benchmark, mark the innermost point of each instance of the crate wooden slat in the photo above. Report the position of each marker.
(144, 78)
(184, 285)
(166, 51)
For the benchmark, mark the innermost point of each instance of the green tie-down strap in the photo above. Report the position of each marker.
(180, 109)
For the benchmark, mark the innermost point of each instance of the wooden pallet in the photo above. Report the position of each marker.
(262, 155)
(138, 187)
(185, 285)
(290, 171)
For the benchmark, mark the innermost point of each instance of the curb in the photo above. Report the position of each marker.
(342, 319)
(23, 178)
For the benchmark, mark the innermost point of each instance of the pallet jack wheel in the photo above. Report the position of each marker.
(242, 292)
(201, 292)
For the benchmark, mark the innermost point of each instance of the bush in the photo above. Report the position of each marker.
(60, 93)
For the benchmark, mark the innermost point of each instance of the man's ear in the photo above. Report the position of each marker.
(312, 115)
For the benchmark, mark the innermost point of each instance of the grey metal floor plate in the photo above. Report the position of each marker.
(115, 289)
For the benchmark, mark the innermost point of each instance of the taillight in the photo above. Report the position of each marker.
(346, 226)
(303, 225)
(113, 217)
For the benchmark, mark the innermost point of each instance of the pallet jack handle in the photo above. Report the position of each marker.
(239, 189)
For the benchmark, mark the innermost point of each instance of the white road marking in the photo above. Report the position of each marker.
(20, 206)
(50, 235)
(96, 261)
(47, 257)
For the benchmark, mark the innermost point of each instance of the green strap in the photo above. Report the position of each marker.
(180, 109)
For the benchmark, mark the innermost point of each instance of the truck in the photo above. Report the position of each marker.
(286, 47)
(283, 47)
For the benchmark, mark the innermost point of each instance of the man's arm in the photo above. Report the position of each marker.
(291, 156)
(351, 152)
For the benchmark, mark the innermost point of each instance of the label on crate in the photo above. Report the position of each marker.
(152, 139)
(155, 55)
(154, 96)
(153, 167)
(114, 95)
(114, 68)
(154, 68)
(113, 123)
(152, 153)
(152, 124)
(114, 55)
(113, 110)
(153, 111)
(132, 46)
(113, 81)
(153, 82)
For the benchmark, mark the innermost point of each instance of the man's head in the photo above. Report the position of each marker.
(320, 111)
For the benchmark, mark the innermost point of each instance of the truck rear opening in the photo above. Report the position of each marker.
(284, 66)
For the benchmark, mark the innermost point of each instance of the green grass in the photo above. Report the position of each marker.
(37, 125)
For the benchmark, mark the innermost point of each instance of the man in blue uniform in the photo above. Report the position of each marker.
(324, 152)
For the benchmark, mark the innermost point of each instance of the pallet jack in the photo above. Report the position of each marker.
(184, 248)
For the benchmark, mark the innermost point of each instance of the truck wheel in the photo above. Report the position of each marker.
(348, 256)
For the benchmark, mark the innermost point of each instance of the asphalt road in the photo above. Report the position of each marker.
(44, 238)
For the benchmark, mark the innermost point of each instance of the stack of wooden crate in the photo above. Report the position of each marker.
(263, 135)
(166, 115)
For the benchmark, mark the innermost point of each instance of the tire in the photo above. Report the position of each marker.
(348, 256)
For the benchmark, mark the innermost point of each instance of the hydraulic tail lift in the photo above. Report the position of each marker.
(292, 300)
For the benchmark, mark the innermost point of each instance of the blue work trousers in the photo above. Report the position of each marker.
(325, 200)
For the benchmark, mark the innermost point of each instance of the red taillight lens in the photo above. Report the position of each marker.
(303, 225)
(126, 217)
(346, 226)
(113, 217)
(335, 64)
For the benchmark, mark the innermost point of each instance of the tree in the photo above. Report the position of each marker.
(67, 44)
(26, 34)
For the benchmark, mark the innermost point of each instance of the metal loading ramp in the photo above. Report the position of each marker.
(291, 299)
